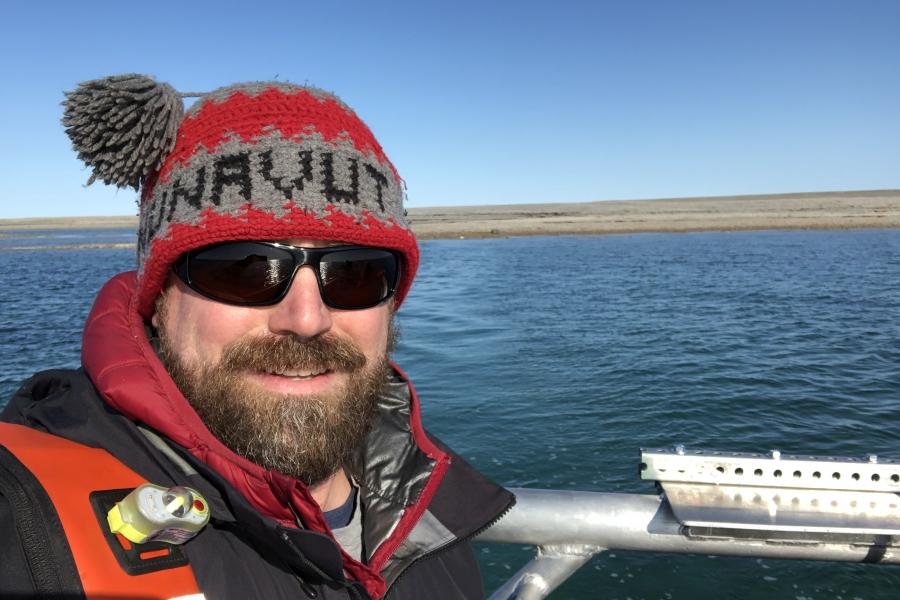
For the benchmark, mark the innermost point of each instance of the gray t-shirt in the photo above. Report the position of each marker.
(350, 536)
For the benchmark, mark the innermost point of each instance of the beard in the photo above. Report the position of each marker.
(308, 437)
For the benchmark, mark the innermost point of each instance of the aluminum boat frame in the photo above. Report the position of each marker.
(711, 503)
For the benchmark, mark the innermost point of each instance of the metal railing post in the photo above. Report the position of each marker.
(594, 521)
(714, 503)
(544, 573)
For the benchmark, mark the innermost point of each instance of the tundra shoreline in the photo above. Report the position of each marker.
(814, 210)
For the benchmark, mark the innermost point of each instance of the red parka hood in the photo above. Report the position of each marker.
(124, 367)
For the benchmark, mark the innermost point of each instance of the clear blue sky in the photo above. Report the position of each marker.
(496, 102)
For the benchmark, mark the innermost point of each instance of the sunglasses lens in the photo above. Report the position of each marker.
(358, 278)
(241, 273)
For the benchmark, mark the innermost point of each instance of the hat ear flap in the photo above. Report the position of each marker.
(123, 126)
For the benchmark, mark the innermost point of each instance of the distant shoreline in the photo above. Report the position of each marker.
(822, 210)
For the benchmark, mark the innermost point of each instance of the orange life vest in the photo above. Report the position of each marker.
(69, 473)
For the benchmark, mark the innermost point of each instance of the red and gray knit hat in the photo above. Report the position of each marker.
(254, 161)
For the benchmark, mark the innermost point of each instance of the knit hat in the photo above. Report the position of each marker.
(253, 161)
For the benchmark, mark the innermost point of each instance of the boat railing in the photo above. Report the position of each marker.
(711, 503)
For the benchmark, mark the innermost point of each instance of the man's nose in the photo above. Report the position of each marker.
(301, 312)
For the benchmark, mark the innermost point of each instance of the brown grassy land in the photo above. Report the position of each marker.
(831, 210)
(825, 210)
(67, 223)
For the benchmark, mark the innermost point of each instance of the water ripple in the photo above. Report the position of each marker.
(549, 362)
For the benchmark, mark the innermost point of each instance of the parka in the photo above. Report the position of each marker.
(267, 538)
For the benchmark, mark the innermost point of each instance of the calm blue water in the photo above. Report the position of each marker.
(549, 361)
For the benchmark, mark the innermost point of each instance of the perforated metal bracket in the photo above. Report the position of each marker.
(806, 495)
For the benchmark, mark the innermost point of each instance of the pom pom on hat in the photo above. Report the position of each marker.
(123, 126)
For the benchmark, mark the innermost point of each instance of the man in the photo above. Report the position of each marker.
(247, 359)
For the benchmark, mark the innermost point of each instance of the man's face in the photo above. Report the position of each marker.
(289, 386)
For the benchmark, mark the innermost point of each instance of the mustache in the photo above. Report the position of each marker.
(286, 353)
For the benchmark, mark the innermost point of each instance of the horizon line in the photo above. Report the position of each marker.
(880, 191)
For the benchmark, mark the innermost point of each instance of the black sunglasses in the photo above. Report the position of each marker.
(260, 273)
